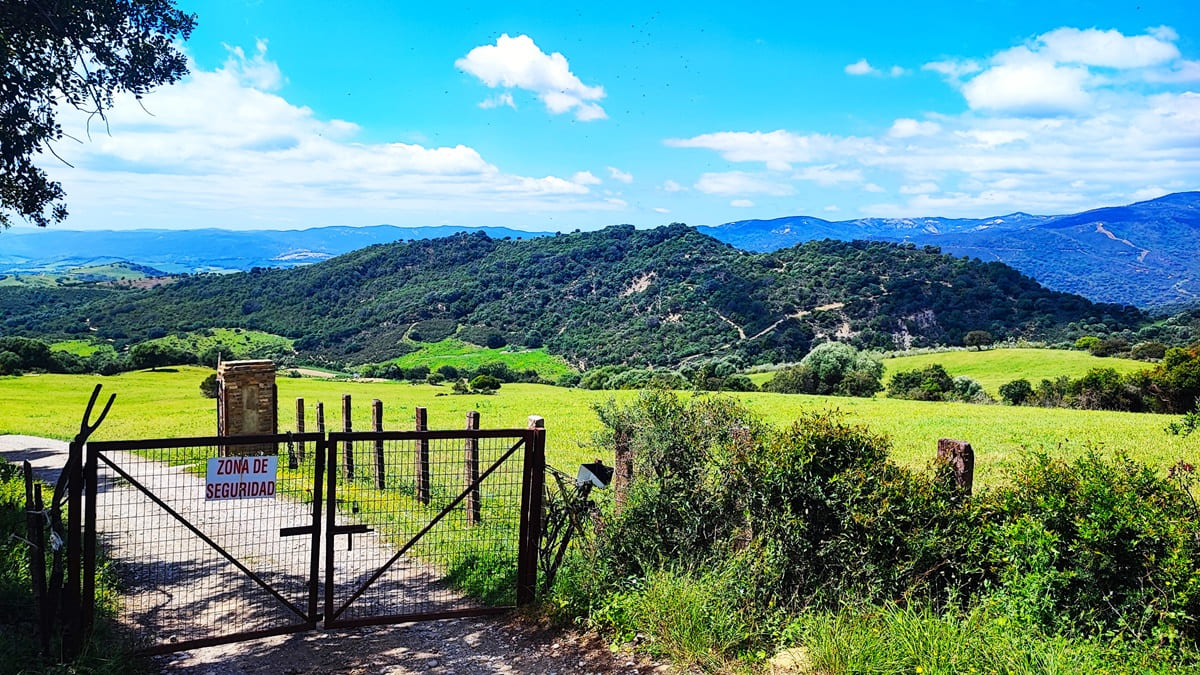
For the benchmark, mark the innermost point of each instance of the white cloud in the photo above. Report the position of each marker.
(828, 175)
(1108, 48)
(517, 62)
(832, 208)
(219, 142)
(1032, 88)
(928, 187)
(619, 175)
(585, 178)
(897, 71)
(871, 187)
(659, 209)
(499, 100)
(1068, 71)
(953, 70)
(778, 149)
(671, 186)
(860, 67)
(257, 70)
(741, 183)
(741, 203)
(907, 128)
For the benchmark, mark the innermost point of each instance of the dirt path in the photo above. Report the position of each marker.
(175, 588)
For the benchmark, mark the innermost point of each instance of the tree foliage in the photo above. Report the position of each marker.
(80, 53)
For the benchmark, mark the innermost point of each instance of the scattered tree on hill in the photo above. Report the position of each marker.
(1016, 392)
(79, 54)
(152, 355)
(978, 339)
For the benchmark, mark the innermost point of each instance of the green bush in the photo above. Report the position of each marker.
(1016, 392)
(1097, 546)
(931, 383)
(830, 368)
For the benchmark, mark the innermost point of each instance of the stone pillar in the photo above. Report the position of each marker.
(247, 404)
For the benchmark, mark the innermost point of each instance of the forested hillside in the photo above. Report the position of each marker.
(619, 295)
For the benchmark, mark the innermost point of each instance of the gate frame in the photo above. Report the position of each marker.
(93, 453)
(80, 476)
(533, 442)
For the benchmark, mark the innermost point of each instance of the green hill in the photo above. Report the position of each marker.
(618, 295)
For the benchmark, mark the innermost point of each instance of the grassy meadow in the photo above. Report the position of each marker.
(994, 367)
(464, 356)
(167, 402)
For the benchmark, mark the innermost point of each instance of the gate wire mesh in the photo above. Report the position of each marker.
(175, 587)
(456, 566)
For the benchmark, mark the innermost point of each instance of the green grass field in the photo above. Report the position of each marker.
(168, 403)
(466, 356)
(995, 367)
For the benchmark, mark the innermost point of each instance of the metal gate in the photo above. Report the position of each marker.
(413, 525)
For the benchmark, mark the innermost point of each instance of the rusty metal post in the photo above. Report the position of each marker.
(471, 473)
(377, 426)
(347, 446)
(422, 459)
(961, 458)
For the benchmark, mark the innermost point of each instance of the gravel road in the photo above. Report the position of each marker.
(171, 586)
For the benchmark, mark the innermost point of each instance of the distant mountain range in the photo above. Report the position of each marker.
(25, 251)
(1143, 254)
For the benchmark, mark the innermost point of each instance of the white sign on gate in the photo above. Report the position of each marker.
(241, 477)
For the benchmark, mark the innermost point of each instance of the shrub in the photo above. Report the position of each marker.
(1016, 392)
(931, 383)
(1098, 546)
(485, 383)
(208, 386)
(830, 368)
(969, 390)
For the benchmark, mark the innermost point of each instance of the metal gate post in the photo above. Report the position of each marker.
(88, 600)
(72, 626)
(314, 570)
(532, 484)
(329, 450)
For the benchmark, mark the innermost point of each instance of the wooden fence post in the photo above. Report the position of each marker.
(961, 458)
(422, 459)
(320, 417)
(377, 425)
(347, 446)
(622, 469)
(472, 469)
(300, 427)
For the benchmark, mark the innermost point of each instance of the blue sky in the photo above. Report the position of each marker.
(541, 117)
